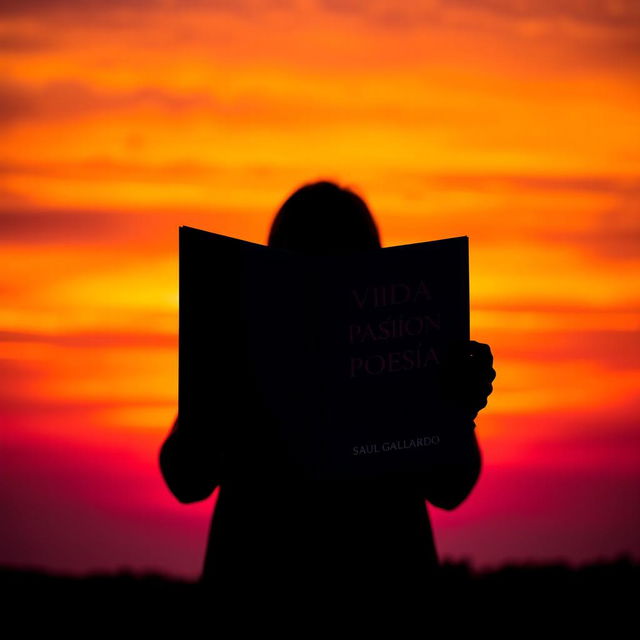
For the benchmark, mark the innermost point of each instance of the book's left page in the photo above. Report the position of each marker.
(241, 350)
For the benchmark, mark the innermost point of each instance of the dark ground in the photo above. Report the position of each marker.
(600, 598)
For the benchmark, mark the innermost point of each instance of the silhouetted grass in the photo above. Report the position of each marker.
(602, 592)
(608, 575)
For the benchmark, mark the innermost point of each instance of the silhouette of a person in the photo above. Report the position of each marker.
(278, 535)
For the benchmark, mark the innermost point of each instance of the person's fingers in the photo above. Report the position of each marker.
(479, 402)
(477, 369)
(475, 394)
(480, 351)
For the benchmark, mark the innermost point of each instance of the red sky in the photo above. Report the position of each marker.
(513, 122)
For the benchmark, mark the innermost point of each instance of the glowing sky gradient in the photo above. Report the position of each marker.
(516, 123)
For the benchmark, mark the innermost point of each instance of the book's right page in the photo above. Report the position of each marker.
(370, 333)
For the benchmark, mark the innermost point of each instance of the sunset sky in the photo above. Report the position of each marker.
(514, 122)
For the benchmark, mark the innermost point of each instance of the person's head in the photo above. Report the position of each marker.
(322, 218)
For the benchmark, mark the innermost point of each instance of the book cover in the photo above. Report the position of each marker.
(343, 352)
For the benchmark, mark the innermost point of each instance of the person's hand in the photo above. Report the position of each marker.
(467, 375)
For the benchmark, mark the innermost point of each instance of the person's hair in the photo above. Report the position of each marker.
(322, 218)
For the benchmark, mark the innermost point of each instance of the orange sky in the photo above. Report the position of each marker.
(513, 122)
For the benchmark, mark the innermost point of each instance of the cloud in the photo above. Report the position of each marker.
(57, 227)
(33, 7)
(573, 31)
(69, 99)
(620, 13)
(149, 231)
(616, 350)
(115, 8)
(613, 233)
(24, 43)
(590, 183)
(95, 339)
(616, 236)
(111, 170)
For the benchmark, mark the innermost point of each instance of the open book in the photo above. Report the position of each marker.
(343, 352)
